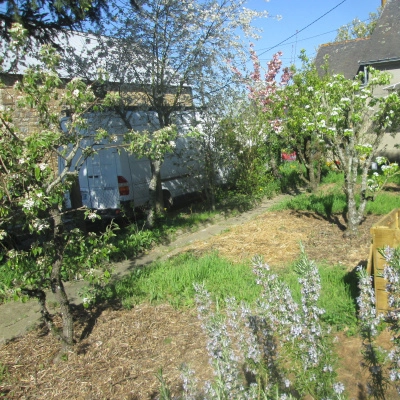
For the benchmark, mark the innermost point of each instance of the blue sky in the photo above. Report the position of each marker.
(296, 15)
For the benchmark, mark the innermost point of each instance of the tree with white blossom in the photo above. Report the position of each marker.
(358, 29)
(175, 52)
(300, 133)
(40, 244)
(351, 121)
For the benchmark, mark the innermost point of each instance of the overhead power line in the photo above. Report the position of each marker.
(302, 40)
(297, 32)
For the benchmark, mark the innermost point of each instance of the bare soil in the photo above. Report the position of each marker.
(119, 352)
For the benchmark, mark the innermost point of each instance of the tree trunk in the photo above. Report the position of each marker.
(352, 214)
(312, 183)
(311, 159)
(57, 287)
(210, 182)
(355, 214)
(314, 172)
(275, 155)
(78, 213)
(156, 201)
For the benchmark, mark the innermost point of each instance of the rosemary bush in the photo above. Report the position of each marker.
(277, 349)
(383, 366)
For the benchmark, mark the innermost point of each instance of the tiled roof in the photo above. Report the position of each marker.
(384, 44)
(385, 39)
(343, 57)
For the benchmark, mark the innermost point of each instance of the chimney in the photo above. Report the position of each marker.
(383, 2)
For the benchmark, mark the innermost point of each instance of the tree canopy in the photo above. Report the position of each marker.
(357, 28)
(42, 19)
(175, 53)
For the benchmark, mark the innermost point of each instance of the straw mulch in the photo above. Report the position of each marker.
(118, 360)
(277, 237)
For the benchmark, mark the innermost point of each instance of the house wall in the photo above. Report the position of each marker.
(394, 71)
(26, 119)
(387, 148)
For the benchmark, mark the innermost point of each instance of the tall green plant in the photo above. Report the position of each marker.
(32, 192)
(300, 133)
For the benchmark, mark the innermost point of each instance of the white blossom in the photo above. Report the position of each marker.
(92, 216)
(338, 388)
(28, 204)
(40, 225)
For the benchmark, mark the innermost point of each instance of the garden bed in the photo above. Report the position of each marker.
(122, 350)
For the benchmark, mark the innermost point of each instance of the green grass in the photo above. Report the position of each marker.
(337, 297)
(133, 239)
(384, 203)
(172, 281)
(7, 276)
(290, 180)
(333, 177)
(323, 204)
(4, 375)
(333, 200)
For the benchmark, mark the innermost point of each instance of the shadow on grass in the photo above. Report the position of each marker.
(329, 207)
(351, 282)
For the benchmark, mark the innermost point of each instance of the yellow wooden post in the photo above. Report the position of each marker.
(384, 233)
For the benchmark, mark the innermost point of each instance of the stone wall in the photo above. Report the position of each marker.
(26, 119)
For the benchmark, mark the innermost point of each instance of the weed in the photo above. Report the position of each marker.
(4, 375)
(290, 176)
(333, 177)
(165, 393)
(172, 281)
(323, 204)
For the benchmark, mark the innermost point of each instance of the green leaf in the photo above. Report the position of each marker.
(37, 173)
